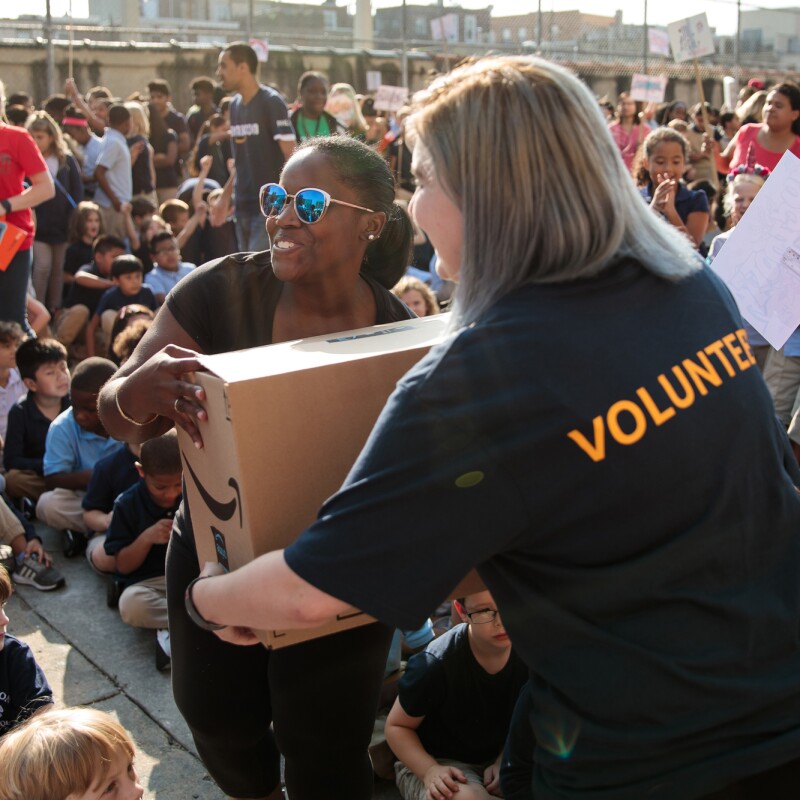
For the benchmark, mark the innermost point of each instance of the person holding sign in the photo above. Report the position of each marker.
(647, 570)
(20, 158)
(779, 132)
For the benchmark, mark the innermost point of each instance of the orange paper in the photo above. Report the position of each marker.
(11, 239)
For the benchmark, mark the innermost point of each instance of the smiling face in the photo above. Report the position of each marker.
(434, 211)
(335, 245)
(667, 157)
(313, 97)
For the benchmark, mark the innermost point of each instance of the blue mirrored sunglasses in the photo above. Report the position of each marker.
(310, 205)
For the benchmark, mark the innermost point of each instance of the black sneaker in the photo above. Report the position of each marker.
(113, 591)
(28, 509)
(74, 543)
(163, 651)
(32, 573)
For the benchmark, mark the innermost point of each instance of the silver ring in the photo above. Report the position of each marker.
(175, 405)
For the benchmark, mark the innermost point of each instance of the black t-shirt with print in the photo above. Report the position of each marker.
(606, 453)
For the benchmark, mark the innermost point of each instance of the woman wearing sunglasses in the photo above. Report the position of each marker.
(338, 242)
(596, 439)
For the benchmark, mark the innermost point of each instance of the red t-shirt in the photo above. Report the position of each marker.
(767, 158)
(19, 158)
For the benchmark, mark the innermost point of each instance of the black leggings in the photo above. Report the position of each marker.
(321, 695)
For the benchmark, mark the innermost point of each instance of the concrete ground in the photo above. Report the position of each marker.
(91, 658)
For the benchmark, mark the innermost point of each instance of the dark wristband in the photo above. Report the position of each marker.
(6, 205)
(194, 614)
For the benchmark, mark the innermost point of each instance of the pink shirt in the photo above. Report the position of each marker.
(628, 143)
(767, 158)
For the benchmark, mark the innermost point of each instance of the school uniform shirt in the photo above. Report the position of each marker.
(23, 686)
(134, 512)
(69, 448)
(27, 434)
(161, 280)
(113, 299)
(686, 201)
(112, 475)
(9, 394)
(19, 159)
(633, 513)
(116, 158)
(86, 295)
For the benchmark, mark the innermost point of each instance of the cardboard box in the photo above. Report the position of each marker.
(286, 423)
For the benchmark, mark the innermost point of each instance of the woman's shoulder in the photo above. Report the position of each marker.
(388, 307)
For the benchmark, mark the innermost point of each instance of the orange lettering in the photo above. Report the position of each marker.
(741, 335)
(596, 451)
(688, 391)
(639, 419)
(716, 349)
(736, 352)
(698, 372)
(658, 416)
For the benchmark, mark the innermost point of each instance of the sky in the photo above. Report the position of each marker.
(721, 13)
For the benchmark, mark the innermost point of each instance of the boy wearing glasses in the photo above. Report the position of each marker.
(169, 268)
(450, 720)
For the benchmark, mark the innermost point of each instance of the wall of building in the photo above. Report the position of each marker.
(128, 68)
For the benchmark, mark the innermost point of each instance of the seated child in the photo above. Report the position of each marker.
(450, 720)
(11, 385)
(111, 476)
(69, 754)
(127, 273)
(23, 687)
(138, 535)
(169, 268)
(85, 227)
(31, 562)
(42, 364)
(75, 442)
(88, 286)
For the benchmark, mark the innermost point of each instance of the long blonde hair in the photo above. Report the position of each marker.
(59, 753)
(521, 147)
(42, 121)
(139, 118)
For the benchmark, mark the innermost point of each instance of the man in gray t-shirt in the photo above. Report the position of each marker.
(262, 138)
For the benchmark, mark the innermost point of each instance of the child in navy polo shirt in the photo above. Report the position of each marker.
(127, 273)
(137, 538)
(666, 158)
(24, 690)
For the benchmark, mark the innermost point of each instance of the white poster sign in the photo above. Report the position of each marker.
(760, 262)
(374, 79)
(648, 88)
(658, 41)
(445, 29)
(261, 46)
(391, 98)
(690, 38)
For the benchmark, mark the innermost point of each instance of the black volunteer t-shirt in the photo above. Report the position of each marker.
(467, 711)
(257, 127)
(23, 687)
(606, 453)
(134, 512)
(86, 295)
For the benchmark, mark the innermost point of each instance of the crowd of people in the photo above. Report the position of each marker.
(636, 635)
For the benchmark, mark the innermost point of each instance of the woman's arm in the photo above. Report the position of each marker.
(169, 157)
(42, 188)
(696, 226)
(151, 382)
